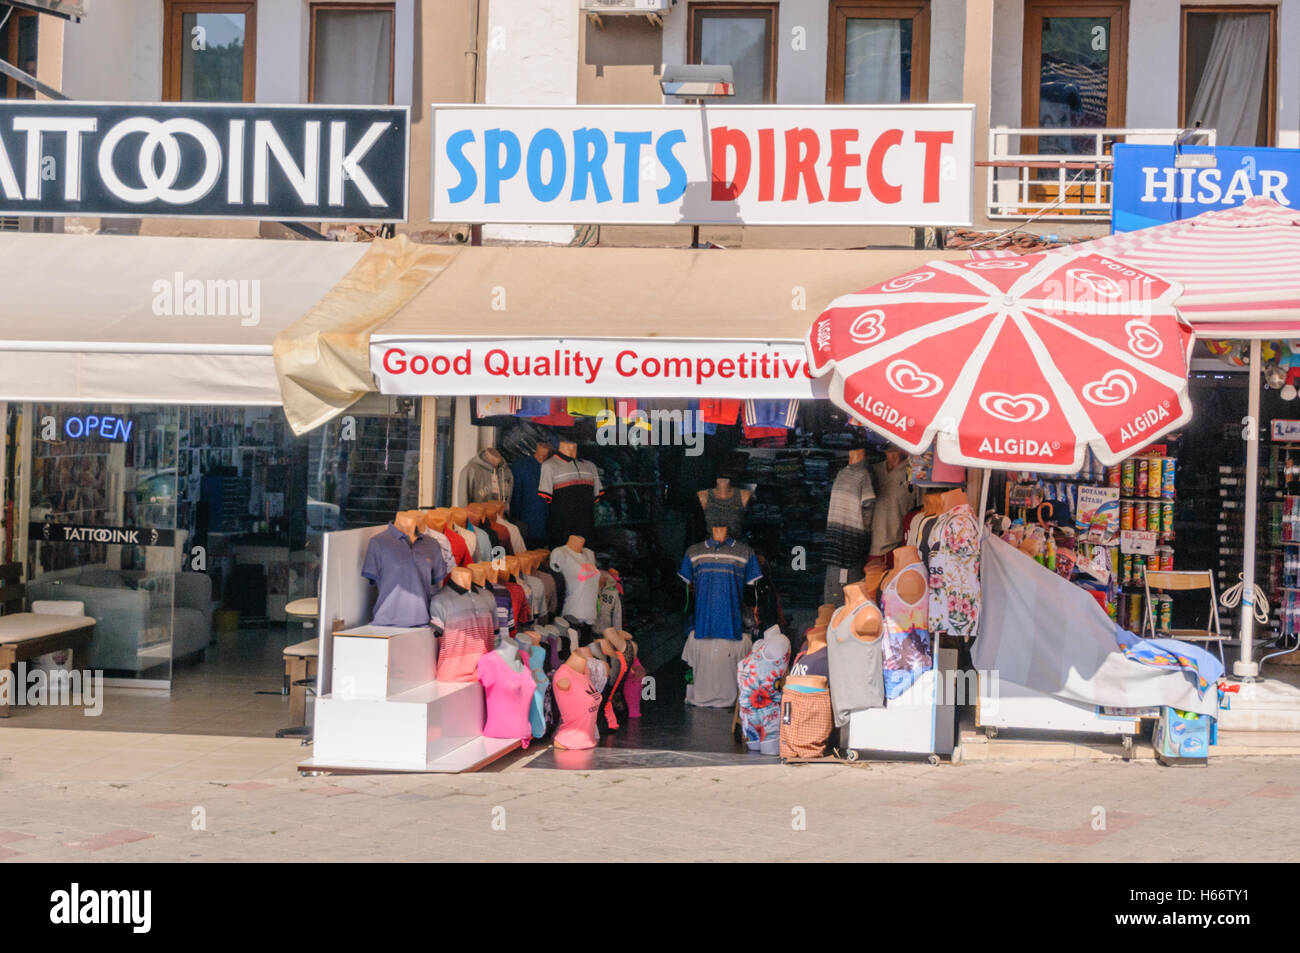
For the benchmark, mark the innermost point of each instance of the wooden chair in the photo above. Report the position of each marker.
(1185, 581)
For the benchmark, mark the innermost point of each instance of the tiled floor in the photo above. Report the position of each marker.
(218, 696)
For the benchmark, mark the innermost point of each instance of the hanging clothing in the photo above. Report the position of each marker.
(905, 650)
(728, 511)
(632, 688)
(954, 561)
(774, 414)
(718, 411)
(526, 507)
(758, 679)
(856, 676)
(719, 573)
(609, 606)
(496, 406)
(848, 540)
(895, 497)
(537, 714)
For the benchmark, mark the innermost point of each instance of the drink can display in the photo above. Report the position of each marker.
(1140, 476)
(1170, 468)
(1139, 515)
(1154, 477)
(1125, 514)
(1167, 518)
(1128, 476)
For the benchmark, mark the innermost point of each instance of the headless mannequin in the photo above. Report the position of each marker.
(478, 572)
(462, 576)
(873, 574)
(857, 456)
(577, 661)
(719, 533)
(576, 543)
(493, 456)
(948, 499)
(569, 448)
(912, 585)
(476, 513)
(815, 640)
(541, 451)
(458, 516)
(723, 490)
(408, 523)
(868, 624)
(508, 648)
(436, 519)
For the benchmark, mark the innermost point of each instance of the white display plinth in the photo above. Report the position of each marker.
(1003, 704)
(387, 713)
(919, 721)
(407, 730)
(377, 662)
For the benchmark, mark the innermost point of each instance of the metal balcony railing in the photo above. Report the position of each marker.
(1061, 174)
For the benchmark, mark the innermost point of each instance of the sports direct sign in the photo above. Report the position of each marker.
(550, 367)
(714, 165)
(287, 163)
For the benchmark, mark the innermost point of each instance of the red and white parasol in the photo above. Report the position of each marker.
(1011, 363)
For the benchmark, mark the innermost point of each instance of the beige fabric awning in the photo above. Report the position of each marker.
(605, 294)
(128, 319)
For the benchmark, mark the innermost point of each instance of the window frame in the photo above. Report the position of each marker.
(173, 19)
(1270, 87)
(697, 11)
(1117, 73)
(316, 8)
(841, 11)
(10, 52)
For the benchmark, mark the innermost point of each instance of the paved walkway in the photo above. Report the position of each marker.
(117, 796)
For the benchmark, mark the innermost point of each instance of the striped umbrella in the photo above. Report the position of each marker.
(1239, 267)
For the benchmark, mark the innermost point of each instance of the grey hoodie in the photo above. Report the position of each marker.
(480, 481)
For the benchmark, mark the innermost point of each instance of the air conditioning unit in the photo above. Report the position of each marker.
(650, 8)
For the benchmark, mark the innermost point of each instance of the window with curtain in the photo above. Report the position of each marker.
(352, 54)
(1228, 73)
(208, 51)
(879, 52)
(742, 36)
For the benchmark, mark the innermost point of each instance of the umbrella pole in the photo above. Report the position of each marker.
(1246, 666)
(984, 496)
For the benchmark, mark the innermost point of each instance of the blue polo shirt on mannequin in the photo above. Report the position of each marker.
(719, 572)
(406, 573)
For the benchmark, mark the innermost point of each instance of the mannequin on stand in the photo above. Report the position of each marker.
(578, 702)
(463, 635)
(486, 477)
(904, 600)
(717, 570)
(577, 565)
(611, 647)
(952, 553)
(895, 498)
(848, 525)
(458, 523)
(724, 505)
(526, 508)
(854, 655)
(406, 568)
(570, 487)
(508, 687)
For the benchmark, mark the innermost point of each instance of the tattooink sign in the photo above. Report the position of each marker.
(197, 160)
(714, 165)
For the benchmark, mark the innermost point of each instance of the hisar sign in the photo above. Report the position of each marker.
(665, 165)
(1151, 187)
(287, 163)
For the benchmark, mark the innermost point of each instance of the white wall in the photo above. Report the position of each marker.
(532, 59)
(801, 72)
(115, 53)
